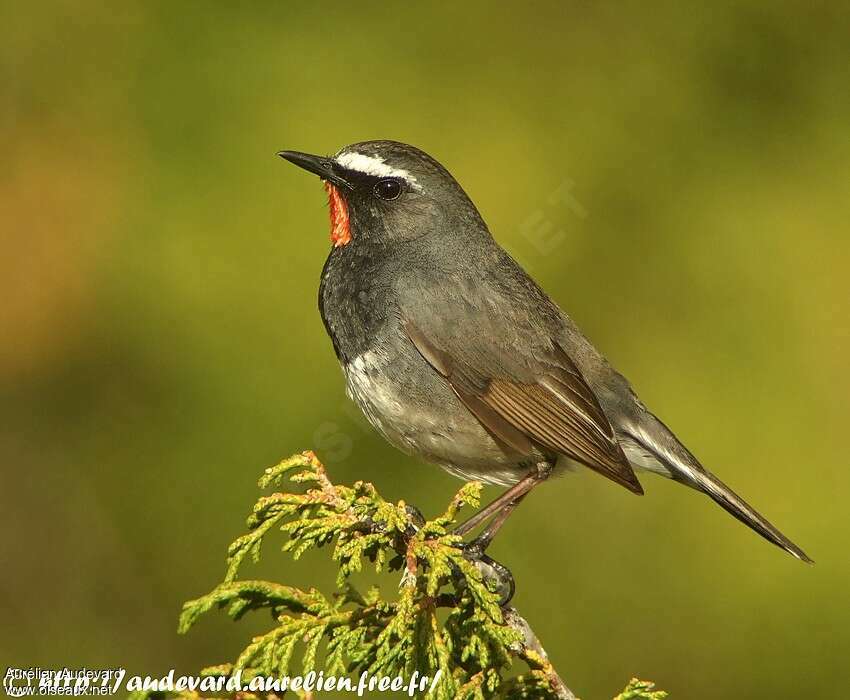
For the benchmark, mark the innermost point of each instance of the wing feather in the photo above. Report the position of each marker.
(557, 410)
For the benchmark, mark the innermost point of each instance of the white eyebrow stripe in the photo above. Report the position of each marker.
(372, 165)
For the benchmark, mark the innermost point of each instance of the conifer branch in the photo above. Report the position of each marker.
(474, 645)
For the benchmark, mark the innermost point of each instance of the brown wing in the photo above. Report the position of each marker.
(557, 411)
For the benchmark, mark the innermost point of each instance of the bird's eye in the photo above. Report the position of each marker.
(388, 188)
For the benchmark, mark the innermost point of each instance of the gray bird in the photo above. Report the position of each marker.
(457, 356)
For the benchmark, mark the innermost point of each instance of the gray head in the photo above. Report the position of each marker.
(389, 192)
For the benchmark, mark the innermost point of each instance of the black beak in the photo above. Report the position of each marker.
(322, 166)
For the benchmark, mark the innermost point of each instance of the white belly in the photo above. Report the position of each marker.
(427, 421)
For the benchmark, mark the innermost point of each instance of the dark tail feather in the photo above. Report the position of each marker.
(734, 504)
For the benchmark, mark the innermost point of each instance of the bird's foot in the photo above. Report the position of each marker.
(497, 577)
(415, 521)
(414, 516)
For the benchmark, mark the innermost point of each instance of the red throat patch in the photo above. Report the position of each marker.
(338, 207)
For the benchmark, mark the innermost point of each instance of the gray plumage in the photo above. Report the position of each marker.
(457, 356)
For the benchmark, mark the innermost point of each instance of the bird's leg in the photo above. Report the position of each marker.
(499, 510)
(515, 492)
(506, 502)
(488, 533)
(491, 569)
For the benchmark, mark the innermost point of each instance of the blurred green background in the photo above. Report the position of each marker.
(676, 175)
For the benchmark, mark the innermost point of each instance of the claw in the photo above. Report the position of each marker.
(497, 576)
(415, 515)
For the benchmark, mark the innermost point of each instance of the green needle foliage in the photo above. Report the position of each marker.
(444, 621)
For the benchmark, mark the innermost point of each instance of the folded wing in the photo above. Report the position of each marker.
(549, 406)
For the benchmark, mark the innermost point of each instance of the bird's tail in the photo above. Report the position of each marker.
(724, 496)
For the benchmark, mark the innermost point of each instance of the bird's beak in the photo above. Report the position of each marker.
(322, 166)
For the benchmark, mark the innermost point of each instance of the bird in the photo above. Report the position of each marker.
(456, 356)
